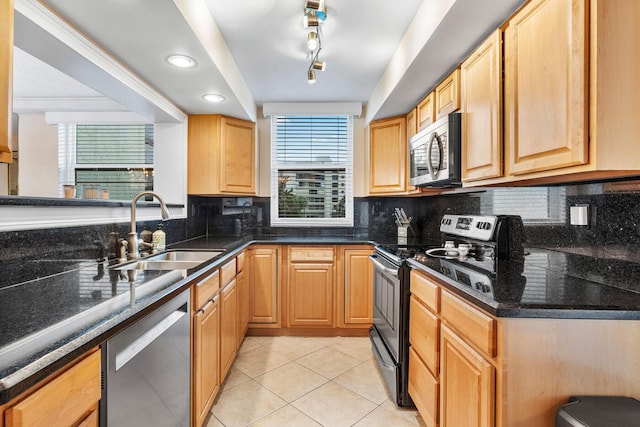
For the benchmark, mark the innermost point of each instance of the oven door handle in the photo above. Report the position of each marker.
(378, 264)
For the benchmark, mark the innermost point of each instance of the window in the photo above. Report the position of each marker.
(113, 157)
(312, 170)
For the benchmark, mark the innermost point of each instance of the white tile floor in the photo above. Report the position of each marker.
(295, 381)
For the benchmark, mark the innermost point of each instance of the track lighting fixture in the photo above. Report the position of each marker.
(315, 13)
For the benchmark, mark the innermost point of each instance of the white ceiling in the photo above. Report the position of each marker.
(254, 52)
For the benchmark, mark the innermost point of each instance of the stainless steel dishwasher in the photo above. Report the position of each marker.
(146, 370)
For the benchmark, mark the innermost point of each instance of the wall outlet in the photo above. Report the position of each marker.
(579, 215)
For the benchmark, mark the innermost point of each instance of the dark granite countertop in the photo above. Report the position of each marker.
(553, 288)
(545, 283)
(48, 321)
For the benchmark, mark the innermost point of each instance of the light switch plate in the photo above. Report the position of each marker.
(579, 215)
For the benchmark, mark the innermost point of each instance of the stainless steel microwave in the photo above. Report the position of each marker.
(435, 154)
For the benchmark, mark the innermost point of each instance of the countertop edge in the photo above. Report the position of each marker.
(516, 311)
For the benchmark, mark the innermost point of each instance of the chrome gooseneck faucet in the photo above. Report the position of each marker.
(132, 238)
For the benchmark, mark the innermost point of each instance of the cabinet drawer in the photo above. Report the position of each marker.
(469, 322)
(306, 254)
(67, 399)
(227, 272)
(206, 289)
(425, 290)
(240, 262)
(424, 334)
(423, 389)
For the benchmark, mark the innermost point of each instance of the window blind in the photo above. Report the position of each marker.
(115, 157)
(312, 172)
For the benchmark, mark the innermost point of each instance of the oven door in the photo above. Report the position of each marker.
(386, 303)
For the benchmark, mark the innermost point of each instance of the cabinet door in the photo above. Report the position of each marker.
(263, 286)
(243, 305)
(310, 294)
(426, 110)
(358, 287)
(546, 98)
(447, 95)
(412, 123)
(206, 366)
(69, 399)
(6, 80)
(467, 384)
(228, 327)
(388, 156)
(238, 163)
(481, 97)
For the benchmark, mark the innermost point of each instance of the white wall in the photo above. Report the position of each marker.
(170, 158)
(38, 148)
(360, 163)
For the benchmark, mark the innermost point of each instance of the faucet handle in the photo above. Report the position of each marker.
(122, 250)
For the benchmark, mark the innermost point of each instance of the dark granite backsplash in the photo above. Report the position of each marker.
(613, 233)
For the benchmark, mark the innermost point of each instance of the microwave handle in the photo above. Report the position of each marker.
(433, 173)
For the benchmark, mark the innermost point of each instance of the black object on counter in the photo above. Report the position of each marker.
(599, 411)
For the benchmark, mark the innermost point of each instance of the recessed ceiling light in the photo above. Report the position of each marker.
(213, 97)
(181, 61)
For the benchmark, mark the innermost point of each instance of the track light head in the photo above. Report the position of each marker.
(318, 65)
(310, 20)
(314, 4)
(311, 77)
(312, 40)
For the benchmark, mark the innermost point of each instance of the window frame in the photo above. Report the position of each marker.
(67, 156)
(347, 166)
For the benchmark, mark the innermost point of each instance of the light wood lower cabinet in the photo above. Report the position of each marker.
(69, 399)
(467, 391)
(423, 389)
(206, 366)
(356, 288)
(242, 285)
(310, 294)
(511, 372)
(263, 286)
(228, 326)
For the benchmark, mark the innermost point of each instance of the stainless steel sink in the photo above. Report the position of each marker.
(171, 260)
(200, 256)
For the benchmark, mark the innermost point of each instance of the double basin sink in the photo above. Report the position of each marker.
(170, 260)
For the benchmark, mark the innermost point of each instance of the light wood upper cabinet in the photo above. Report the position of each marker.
(263, 286)
(71, 398)
(206, 365)
(412, 123)
(481, 105)
(467, 396)
(6, 79)
(447, 95)
(388, 156)
(221, 155)
(546, 77)
(426, 110)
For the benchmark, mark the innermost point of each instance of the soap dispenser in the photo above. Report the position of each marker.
(159, 239)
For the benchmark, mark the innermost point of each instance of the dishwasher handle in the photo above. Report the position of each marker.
(142, 342)
(379, 265)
